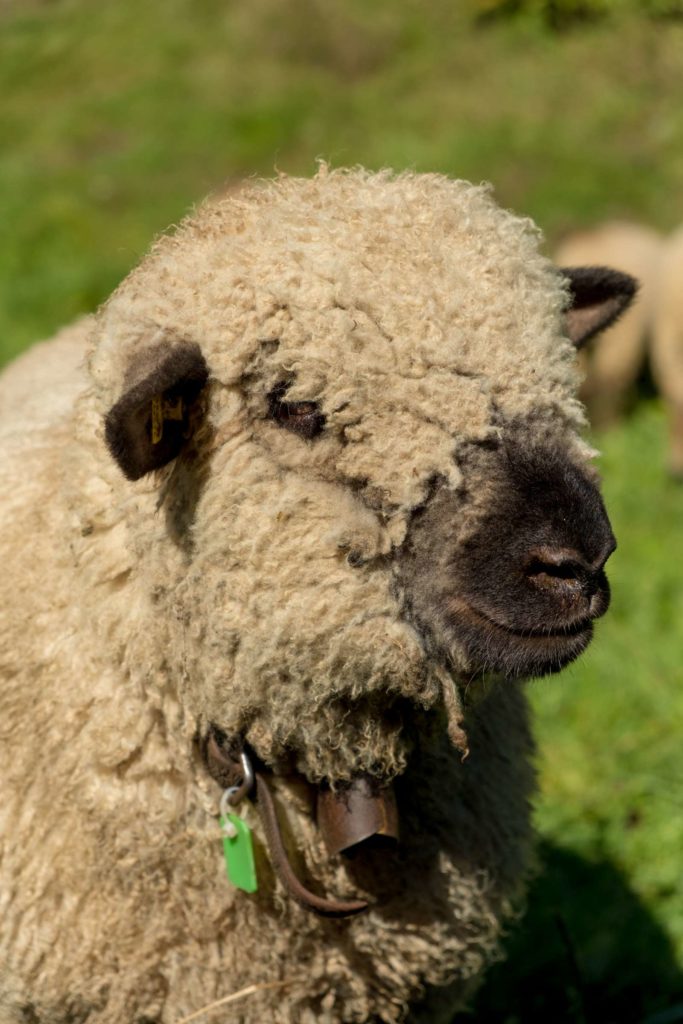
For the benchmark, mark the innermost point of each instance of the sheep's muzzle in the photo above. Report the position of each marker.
(514, 588)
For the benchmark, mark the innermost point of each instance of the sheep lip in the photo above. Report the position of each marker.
(489, 645)
(568, 630)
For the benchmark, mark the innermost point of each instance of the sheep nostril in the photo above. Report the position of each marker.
(552, 577)
(559, 571)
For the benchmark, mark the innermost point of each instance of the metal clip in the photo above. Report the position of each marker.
(235, 794)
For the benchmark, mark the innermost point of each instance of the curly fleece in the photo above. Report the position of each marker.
(250, 584)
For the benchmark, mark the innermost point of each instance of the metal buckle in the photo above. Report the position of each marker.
(235, 794)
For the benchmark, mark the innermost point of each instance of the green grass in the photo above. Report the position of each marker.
(603, 940)
(115, 117)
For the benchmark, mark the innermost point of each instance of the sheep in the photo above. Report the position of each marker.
(285, 526)
(612, 363)
(667, 346)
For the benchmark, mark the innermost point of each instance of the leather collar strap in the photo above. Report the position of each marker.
(225, 768)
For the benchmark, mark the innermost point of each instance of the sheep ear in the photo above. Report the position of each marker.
(598, 296)
(147, 426)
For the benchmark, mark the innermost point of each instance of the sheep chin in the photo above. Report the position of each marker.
(490, 646)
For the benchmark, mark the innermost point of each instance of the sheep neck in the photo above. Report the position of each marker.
(348, 818)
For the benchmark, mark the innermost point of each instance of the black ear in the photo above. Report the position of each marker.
(147, 426)
(598, 297)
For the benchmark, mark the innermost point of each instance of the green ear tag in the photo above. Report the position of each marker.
(238, 850)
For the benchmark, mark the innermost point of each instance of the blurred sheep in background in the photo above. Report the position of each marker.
(612, 362)
(667, 345)
(652, 328)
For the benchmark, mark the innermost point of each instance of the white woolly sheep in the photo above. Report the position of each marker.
(667, 345)
(613, 361)
(355, 513)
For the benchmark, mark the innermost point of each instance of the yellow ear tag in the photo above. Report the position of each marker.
(157, 419)
(173, 410)
(164, 409)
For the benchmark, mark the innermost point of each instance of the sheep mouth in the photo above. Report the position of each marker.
(493, 646)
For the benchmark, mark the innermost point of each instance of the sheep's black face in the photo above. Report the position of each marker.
(514, 586)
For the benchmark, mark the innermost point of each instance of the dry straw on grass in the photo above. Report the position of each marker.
(233, 998)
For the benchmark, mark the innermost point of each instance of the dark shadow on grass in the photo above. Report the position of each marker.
(586, 952)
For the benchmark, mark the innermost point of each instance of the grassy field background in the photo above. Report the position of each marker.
(115, 117)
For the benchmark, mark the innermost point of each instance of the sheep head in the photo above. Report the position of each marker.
(357, 393)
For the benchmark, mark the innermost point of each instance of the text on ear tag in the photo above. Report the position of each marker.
(157, 420)
(164, 409)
